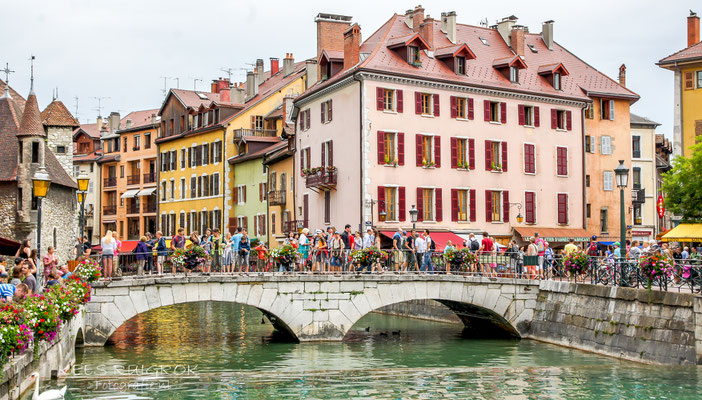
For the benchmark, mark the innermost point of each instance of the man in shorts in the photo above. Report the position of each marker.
(398, 254)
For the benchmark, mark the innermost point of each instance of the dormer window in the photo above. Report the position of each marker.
(408, 47)
(514, 74)
(413, 55)
(330, 63)
(460, 65)
(557, 81)
(509, 67)
(455, 57)
(553, 74)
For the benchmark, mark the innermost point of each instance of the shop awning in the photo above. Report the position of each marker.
(127, 246)
(554, 234)
(130, 193)
(684, 233)
(147, 192)
(108, 221)
(8, 247)
(440, 238)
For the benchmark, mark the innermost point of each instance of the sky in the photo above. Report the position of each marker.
(121, 51)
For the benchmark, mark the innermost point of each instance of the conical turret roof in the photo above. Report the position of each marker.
(31, 119)
(56, 114)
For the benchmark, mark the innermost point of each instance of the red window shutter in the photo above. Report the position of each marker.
(231, 226)
(472, 206)
(253, 122)
(471, 153)
(398, 94)
(437, 151)
(505, 206)
(454, 153)
(521, 115)
(436, 105)
(438, 199)
(420, 204)
(260, 192)
(488, 206)
(554, 118)
(302, 121)
(537, 117)
(256, 225)
(380, 93)
(401, 148)
(246, 223)
(562, 208)
(419, 150)
(529, 202)
(454, 205)
(488, 155)
(244, 187)
(503, 112)
(309, 158)
(401, 206)
(569, 120)
(417, 103)
(504, 156)
(329, 113)
(302, 161)
(486, 104)
(381, 200)
(529, 158)
(471, 113)
(323, 155)
(454, 111)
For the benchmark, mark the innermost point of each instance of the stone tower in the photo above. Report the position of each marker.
(60, 124)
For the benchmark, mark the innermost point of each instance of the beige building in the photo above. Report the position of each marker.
(642, 176)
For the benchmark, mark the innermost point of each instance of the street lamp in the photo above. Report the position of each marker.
(413, 212)
(83, 183)
(622, 175)
(520, 218)
(40, 186)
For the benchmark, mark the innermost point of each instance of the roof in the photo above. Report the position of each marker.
(691, 53)
(638, 120)
(257, 154)
(138, 118)
(91, 130)
(583, 79)
(192, 99)
(277, 152)
(58, 175)
(553, 234)
(31, 119)
(56, 114)
(9, 122)
(88, 157)
(332, 55)
(16, 97)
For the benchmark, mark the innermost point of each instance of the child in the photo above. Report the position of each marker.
(261, 259)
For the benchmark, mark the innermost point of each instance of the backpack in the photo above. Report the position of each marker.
(540, 246)
(593, 249)
(474, 245)
(432, 245)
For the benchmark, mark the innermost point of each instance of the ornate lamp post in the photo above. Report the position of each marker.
(40, 186)
(520, 218)
(413, 212)
(622, 175)
(83, 183)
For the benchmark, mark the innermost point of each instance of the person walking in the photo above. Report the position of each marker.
(161, 253)
(142, 253)
(408, 247)
(431, 249)
(398, 254)
(485, 254)
(108, 245)
(118, 249)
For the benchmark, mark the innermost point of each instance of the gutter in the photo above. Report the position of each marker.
(359, 78)
(682, 135)
(582, 124)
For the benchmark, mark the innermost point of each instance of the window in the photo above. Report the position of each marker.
(528, 116)
(35, 202)
(529, 158)
(590, 111)
(561, 161)
(699, 79)
(557, 81)
(327, 207)
(428, 204)
(495, 156)
(636, 177)
(636, 146)
(608, 181)
(147, 140)
(390, 205)
(241, 194)
(173, 160)
(588, 208)
(606, 145)
(638, 217)
(217, 152)
(562, 209)
(530, 207)
(215, 184)
(413, 55)
(121, 171)
(388, 100)
(496, 151)
(193, 187)
(560, 120)
(390, 148)
(205, 154)
(241, 222)
(427, 153)
(172, 189)
(305, 162)
(61, 149)
(124, 144)
(589, 144)
(462, 153)
(182, 159)
(163, 191)
(182, 188)
(426, 104)
(484, 41)
(328, 153)
(326, 111)
(604, 220)
(496, 209)
(514, 74)
(587, 180)
(607, 109)
(304, 119)
(460, 65)
(459, 205)
(494, 111)
(137, 142)
(35, 152)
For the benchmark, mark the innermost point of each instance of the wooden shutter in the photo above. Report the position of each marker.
(244, 187)
(471, 111)
(473, 216)
(331, 153)
(471, 153)
(302, 161)
(454, 205)
(488, 155)
(308, 158)
(503, 112)
(529, 159)
(521, 115)
(505, 206)
(554, 118)
(417, 103)
(504, 156)
(246, 223)
(381, 200)
(689, 80)
(231, 226)
(380, 98)
(306, 209)
(562, 161)
(611, 110)
(401, 148)
(420, 204)
(398, 99)
(193, 188)
(488, 206)
(437, 151)
(260, 192)
(454, 153)
(256, 225)
(454, 107)
(569, 120)
(321, 106)
(329, 111)
(486, 111)
(302, 120)
(562, 208)
(537, 117)
(381, 147)
(529, 205)
(402, 210)
(419, 150)
(438, 199)
(436, 105)
(324, 153)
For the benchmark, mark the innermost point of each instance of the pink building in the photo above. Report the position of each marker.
(472, 126)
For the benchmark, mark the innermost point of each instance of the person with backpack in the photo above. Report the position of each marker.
(513, 253)
(161, 253)
(485, 254)
(541, 252)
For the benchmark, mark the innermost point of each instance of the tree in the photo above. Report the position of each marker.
(682, 186)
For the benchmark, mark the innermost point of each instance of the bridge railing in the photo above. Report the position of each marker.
(686, 274)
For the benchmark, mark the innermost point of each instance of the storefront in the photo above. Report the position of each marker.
(556, 237)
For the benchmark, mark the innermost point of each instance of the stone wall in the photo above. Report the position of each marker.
(61, 136)
(633, 324)
(8, 209)
(422, 309)
(59, 226)
(54, 357)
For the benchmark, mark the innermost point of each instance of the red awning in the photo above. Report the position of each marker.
(441, 238)
(127, 246)
(8, 247)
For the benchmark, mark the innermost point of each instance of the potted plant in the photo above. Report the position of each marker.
(656, 266)
(576, 264)
(285, 255)
(496, 166)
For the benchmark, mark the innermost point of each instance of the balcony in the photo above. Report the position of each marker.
(109, 210)
(240, 133)
(133, 209)
(133, 179)
(149, 208)
(295, 225)
(276, 197)
(321, 178)
(110, 181)
(638, 196)
(150, 178)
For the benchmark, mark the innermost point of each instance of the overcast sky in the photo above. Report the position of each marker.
(123, 49)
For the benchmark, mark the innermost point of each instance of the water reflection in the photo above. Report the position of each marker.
(232, 355)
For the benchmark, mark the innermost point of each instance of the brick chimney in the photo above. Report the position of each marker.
(693, 29)
(274, 65)
(448, 25)
(288, 64)
(417, 18)
(330, 31)
(426, 29)
(622, 75)
(352, 46)
(517, 39)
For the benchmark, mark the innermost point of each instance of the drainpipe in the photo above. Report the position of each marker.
(268, 203)
(224, 186)
(682, 135)
(582, 124)
(360, 156)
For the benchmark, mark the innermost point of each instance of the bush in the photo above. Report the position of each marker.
(88, 270)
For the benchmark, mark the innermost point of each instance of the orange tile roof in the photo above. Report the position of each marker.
(691, 53)
(56, 114)
(31, 119)
(9, 122)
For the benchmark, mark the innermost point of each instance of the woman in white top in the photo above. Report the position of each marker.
(108, 245)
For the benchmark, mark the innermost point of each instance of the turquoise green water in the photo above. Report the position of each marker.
(223, 351)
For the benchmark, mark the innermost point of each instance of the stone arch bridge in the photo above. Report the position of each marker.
(319, 307)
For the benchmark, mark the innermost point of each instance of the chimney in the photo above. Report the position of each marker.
(99, 123)
(426, 29)
(504, 28)
(311, 72)
(517, 39)
(622, 75)
(251, 86)
(237, 94)
(153, 119)
(352, 46)
(408, 17)
(287, 106)
(288, 64)
(114, 121)
(547, 33)
(448, 25)
(274, 65)
(129, 123)
(417, 18)
(330, 31)
(260, 72)
(693, 29)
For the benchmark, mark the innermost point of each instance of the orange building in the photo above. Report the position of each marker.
(130, 176)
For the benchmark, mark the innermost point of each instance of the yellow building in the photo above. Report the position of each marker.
(279, 162)
(687, 66)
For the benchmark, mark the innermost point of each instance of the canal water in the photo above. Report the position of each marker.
(228, 351)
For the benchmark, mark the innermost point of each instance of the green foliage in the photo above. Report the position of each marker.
(682, 184)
